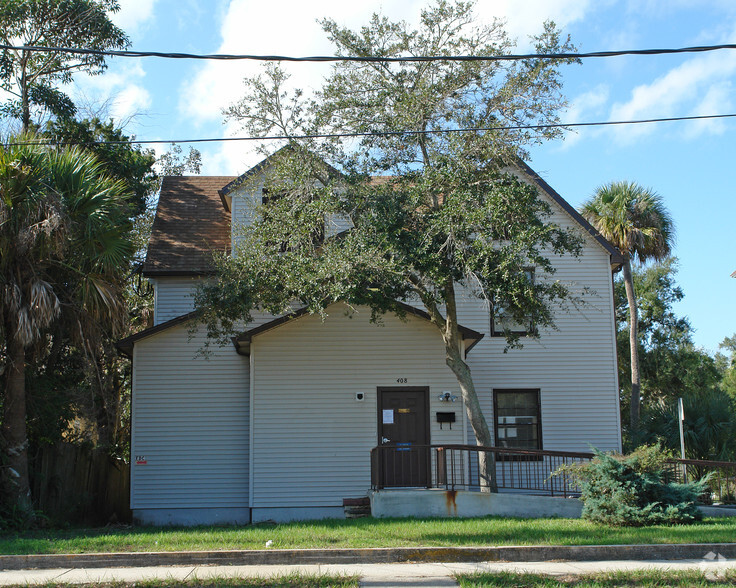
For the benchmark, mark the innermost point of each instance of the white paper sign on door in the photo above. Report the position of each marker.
(388, 417)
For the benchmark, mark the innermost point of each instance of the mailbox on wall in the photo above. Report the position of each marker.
(445, 417)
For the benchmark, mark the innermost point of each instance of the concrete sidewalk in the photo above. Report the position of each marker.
(379, 555)
(372, 575)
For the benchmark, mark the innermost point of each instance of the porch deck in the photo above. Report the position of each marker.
(532, 473)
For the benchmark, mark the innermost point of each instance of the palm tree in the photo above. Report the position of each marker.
(636, 222)
(63, 227)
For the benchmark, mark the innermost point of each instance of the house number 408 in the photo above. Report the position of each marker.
(402, 380)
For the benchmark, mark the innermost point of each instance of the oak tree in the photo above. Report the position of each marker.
(447, 218)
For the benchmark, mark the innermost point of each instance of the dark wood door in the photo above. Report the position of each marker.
(403, 434)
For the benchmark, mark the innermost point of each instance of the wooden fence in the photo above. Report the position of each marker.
(77, 484)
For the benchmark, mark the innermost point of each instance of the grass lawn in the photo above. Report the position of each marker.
(366, 532)
(603, 580)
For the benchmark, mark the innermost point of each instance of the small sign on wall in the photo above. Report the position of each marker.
(388, 416)
(140, 460)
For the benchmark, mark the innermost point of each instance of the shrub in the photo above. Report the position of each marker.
(630, 490)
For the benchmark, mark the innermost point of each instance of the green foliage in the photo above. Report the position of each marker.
(671, 367)
(448, 215)
(175, 163)
(709, 427)
(14, 519)
(631, 490)
(32, 77)
(727, 366)
(645, 578)
(64, 241)
(122, 160)
(397, 246)
(633, 218)
(363, 532)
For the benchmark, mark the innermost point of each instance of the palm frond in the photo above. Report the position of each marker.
(633, 219)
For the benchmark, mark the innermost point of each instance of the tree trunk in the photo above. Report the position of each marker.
(486, 460)
(633, 344)
(25, 106)
(14, 427)
(455, 361)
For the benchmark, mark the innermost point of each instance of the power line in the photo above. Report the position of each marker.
(377, 134)
(337, 58)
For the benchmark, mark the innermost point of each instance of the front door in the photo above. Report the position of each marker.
(403, 435)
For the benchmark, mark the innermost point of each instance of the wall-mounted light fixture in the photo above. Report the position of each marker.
(447, 397)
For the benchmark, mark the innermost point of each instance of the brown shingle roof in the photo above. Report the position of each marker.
(191, 224)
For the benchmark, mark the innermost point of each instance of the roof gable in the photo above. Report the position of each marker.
(616, 258)
(242, 342)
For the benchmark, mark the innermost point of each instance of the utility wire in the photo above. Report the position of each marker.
(334, 58)
(377, 134)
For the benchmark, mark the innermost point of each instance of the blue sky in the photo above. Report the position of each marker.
(689, 163)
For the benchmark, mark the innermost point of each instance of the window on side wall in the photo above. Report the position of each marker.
(502, 321)
(517, 418)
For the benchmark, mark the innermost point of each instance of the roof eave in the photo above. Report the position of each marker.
(125, 345)
(175, 273)
(616, 259)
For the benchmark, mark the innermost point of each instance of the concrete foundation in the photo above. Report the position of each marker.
(284, 515)
(461, 503)
(421, 503)
(189, 517)
(718, 511)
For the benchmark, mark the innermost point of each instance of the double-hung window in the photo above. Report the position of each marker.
(518, 419)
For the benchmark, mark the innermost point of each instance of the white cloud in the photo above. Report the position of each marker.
(250, 27)
(676, 92)
(119, 93)
(525, 18)
(717, 100)
(133, 14)
(585, 108)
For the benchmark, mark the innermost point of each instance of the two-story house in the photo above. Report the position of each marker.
(280, 424)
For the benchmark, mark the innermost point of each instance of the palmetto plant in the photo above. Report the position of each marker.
(635, 220)
(63, 239)
(709, 427)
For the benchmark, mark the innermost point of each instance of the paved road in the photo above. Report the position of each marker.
(372, 575)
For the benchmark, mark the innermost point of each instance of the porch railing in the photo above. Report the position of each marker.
(456, 467)
(721, 483)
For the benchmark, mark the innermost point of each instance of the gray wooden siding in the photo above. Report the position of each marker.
(173, 297)
(311, 438)
(247, 197)
(574, 366)
(190, 422)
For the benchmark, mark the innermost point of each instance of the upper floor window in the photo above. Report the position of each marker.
(269, 197)
(502, 321)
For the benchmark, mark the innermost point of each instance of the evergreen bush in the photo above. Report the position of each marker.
(631, 490)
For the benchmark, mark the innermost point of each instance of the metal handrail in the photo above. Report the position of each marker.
(453, 467)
